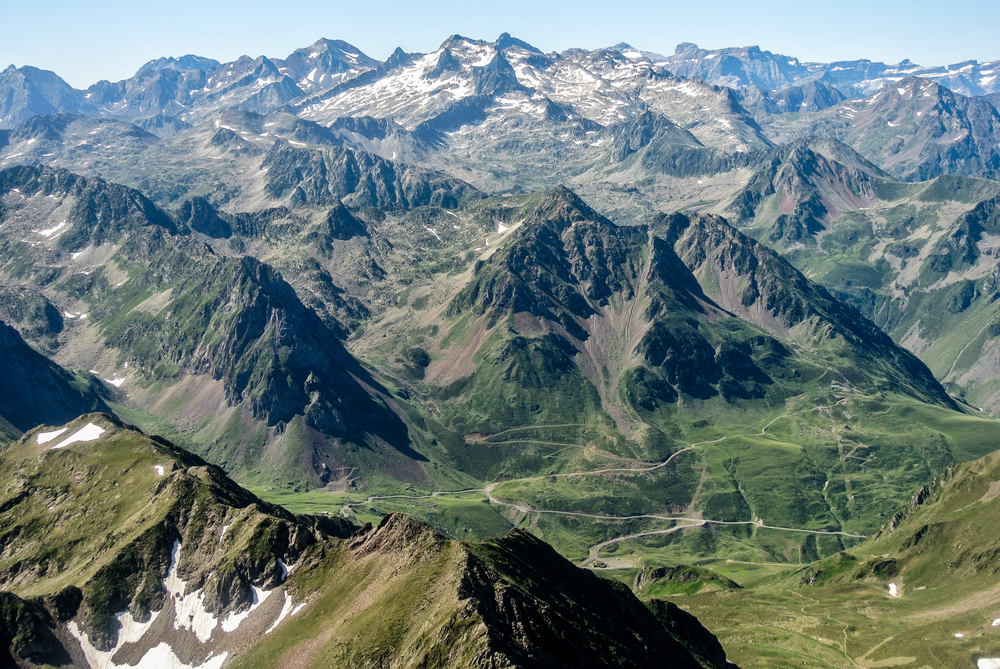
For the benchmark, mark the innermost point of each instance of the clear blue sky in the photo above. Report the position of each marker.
(109, 39)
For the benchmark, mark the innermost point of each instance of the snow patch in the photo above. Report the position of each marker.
(189, 610)
(159, 469)
(988, 663)
(51, 231)
(285, 610)
(76, 255)
(116, 382)
(232, 623)
(45, 437)
(433, 232)
(298, 608)
(224, 528)
(501, 228)
(893, 590)
(88, 432)
(959, 635)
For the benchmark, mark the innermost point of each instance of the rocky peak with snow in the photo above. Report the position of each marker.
(325, 64)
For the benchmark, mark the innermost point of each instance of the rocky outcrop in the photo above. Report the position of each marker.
(101, 211)
(357, 178)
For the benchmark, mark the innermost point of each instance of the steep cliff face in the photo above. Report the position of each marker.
(532, 623)
(916, 129)
(240, 322)
(99, 213)
(756, 284)
(36, 391)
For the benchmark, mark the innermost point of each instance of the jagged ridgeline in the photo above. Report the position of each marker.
(122, 549)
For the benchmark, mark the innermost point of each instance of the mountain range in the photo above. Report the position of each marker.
(666, 314)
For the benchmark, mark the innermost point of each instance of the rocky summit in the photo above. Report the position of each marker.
(490, 357)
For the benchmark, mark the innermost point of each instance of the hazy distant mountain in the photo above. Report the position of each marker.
(28, 91)
(806, 97)
(752, 66)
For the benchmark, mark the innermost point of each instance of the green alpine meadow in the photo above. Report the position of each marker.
(494, 358)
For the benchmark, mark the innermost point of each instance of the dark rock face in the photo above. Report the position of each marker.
(101, 211)
(242, 323)
(31, 314)
(202, 217)
(685, 628)
(573, 262)
(945, 133)
(777, 288)
(27, 631)
(556, 615)
(643, 129)
(359, 179)
(36, 391)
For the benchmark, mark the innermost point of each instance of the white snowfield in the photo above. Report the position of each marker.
(893, 590)
(88, 432)
(45, 437)
(988, 663)
(160, 657)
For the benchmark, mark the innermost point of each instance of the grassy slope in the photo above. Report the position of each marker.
(941, 555)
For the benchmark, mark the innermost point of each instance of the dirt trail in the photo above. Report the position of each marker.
(595, 550)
